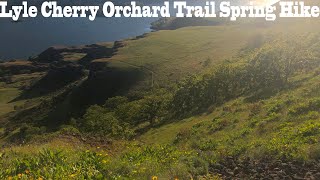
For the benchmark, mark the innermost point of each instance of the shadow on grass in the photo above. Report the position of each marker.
(99, 86)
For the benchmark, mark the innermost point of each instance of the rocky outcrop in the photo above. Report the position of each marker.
(232, 168)
(21, 67)
(94, 51)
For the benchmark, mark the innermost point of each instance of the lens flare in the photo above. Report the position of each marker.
(271, 2)
(265, 2)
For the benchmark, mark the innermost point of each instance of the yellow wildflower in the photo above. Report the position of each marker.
(40, 178)
(10, 178)
(19, 175)
(27, 171)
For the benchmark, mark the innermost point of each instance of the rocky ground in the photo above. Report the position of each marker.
(266, 169)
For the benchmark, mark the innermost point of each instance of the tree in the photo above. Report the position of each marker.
(99, 120)
(114, 102)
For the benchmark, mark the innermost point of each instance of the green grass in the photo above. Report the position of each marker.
(6, 95)
(286, 124)
(173, 54)
(73, 56)
(63, 160)
(10, 91)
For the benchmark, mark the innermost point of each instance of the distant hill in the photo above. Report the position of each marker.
(176, 23)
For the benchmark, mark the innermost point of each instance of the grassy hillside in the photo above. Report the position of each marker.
(161, 57)
(229, 101)
(285, 124)
(11, 89)
(172, 55)
(6, 94)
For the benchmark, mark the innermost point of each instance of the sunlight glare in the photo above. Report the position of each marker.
(266, 2)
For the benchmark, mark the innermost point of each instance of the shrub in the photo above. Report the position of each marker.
(150, 108)
(218, 124)
(27, 132)
(115, 102)
(100, 121)
(197, 166)
(305, 107)
(131, 112)
(70, 130)
(289, 140)
(275, 108)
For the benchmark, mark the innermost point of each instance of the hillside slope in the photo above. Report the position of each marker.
(157, 59)
(196, 102)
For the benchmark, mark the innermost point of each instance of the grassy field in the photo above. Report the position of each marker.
(10, 91)
(6, 95)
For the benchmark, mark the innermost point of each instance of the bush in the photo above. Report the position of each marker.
(100, 121)
(305, 107)
(115, 102)
(132, 112)
(69, 130)
(27, 132)
(150, 108)
(289, 141)
(197, 166)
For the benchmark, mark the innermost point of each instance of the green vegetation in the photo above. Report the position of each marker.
(207, 94)
(5, 97)
(104, 123)
(135, 162)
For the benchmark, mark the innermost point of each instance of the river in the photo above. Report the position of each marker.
(31, 36)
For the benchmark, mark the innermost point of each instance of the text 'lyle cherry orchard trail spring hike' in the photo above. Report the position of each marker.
(226, 10)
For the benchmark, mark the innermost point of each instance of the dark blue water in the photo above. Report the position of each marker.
(31, 36)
